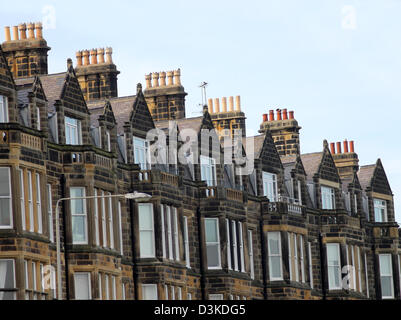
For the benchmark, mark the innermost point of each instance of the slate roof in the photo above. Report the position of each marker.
(365, 175)
(53, 85)
(258, 144)
(311, 162)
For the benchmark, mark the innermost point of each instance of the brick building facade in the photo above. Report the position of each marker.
(299, 226)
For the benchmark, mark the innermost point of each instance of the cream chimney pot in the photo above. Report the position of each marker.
(38, 28)
(15, 33)
(100, 55)
(217, 104)
(231, 104)
(109, 52)
(224, 103)
(85, 55)
(8, 34)
(31, 31)
(177, 77)
(170, 78)
(22, 30)
(148, 79)
(162, 79)
(210, 105)
(79, 58)
(93, 56)
(238, 103)
(155, 77)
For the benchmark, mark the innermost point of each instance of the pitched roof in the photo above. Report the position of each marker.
(311, 162)
(53, 85)
(24, 86)
(190, 123)
(257, 144)
(365, 175)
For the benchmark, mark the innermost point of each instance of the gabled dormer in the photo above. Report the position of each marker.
(8, 97)
(379, 200)
(323, 180)
(295, 179)
(352, 196)
(32, 103)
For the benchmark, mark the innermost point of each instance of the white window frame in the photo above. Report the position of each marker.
(251, 261)
(169, 234)
(166, 295)
(176, 243)
(358, 252)
(241, 246)
(108, 141)
(172, 293)
(100, 287)
(215, 297)
(88, 278)
(163, 231)
(9, 197)
(107, 286)
(141, 146)
(37, 118)
(22, 198)
(271, 255)
(111, 221)
(186, 243)
(73, 131)
(179, 293)
(234, 245)
(217, 243)
(299, 192)
(113, 288)
(290, 257)
(104, 230)
(387, 275)
(302, 257)
(84, 214)
(310, 265)
(30, 203)
(151, 230)
(380, 204)
(38, 203)
(120, 229)
(13, 289)
(96, 214)
(270, 189)
(154, 293)
(334, 268)
(208, 170)
(50, 211)
(3, 109)
(328, 198)
(228, 245)
(366, 276)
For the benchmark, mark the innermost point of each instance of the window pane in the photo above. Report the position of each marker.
(146, 241)
(145, 217)
(213, 256)
(7, 274)
(274, 243)
(4, 182)
(5, 217)
(82, 286)
(149, 292)
(78, 228)
(275, 267)
(385, 265)
(386, 286)
(211, 230)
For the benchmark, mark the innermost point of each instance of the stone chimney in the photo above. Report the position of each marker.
(346, 159)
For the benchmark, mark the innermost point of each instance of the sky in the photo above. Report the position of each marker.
(336, 63)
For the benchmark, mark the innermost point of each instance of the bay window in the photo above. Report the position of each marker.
(334, 266)
(212, 237)
(274, 253)
(386, 276)
(146, 230)
(6, 218)
(78, 216)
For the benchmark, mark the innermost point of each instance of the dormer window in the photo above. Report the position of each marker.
(3, 109)
(141, 153)
(73, 133)
(380, 208)
(270, 186)
(208, 170)
(37, 118)
(328, 198)
(108, 141)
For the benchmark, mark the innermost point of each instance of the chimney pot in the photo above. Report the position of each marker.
(8, 34)
(231, 104)
(155, 77)
(352, 146)
(177, 77)
(79, 58)
(224, 103)
(279, 115)
(291, 115)
(265, 117)
(162, 79)
(285, 114)
(15, 33)
(31, 31)
(333, 148)
(100, 55)
(22, 30)
(217, 105)
(39, 28)
(238, 103)
(85, 55)
(210, 105)
(93, 56)
(271, 115)
(346, 146)
(109, 52)
(339, 148)
(170, 78)
(148, 79)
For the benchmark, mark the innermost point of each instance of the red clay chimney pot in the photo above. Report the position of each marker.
(339, 147)
(333, 148)
(285, 114)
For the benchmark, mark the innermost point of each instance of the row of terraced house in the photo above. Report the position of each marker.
(297, 226)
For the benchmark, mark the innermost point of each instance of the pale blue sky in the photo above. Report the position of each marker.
(342, 76)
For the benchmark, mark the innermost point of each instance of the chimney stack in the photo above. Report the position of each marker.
(39, 28)
(31, 31)
(271, 115)
(224, 103)
(22, 30)
(210, 105)
(162, 79)
(8, 34)
(79, 58)
(333, 148)
(217, 105)
(100, 55)
(15, 33)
